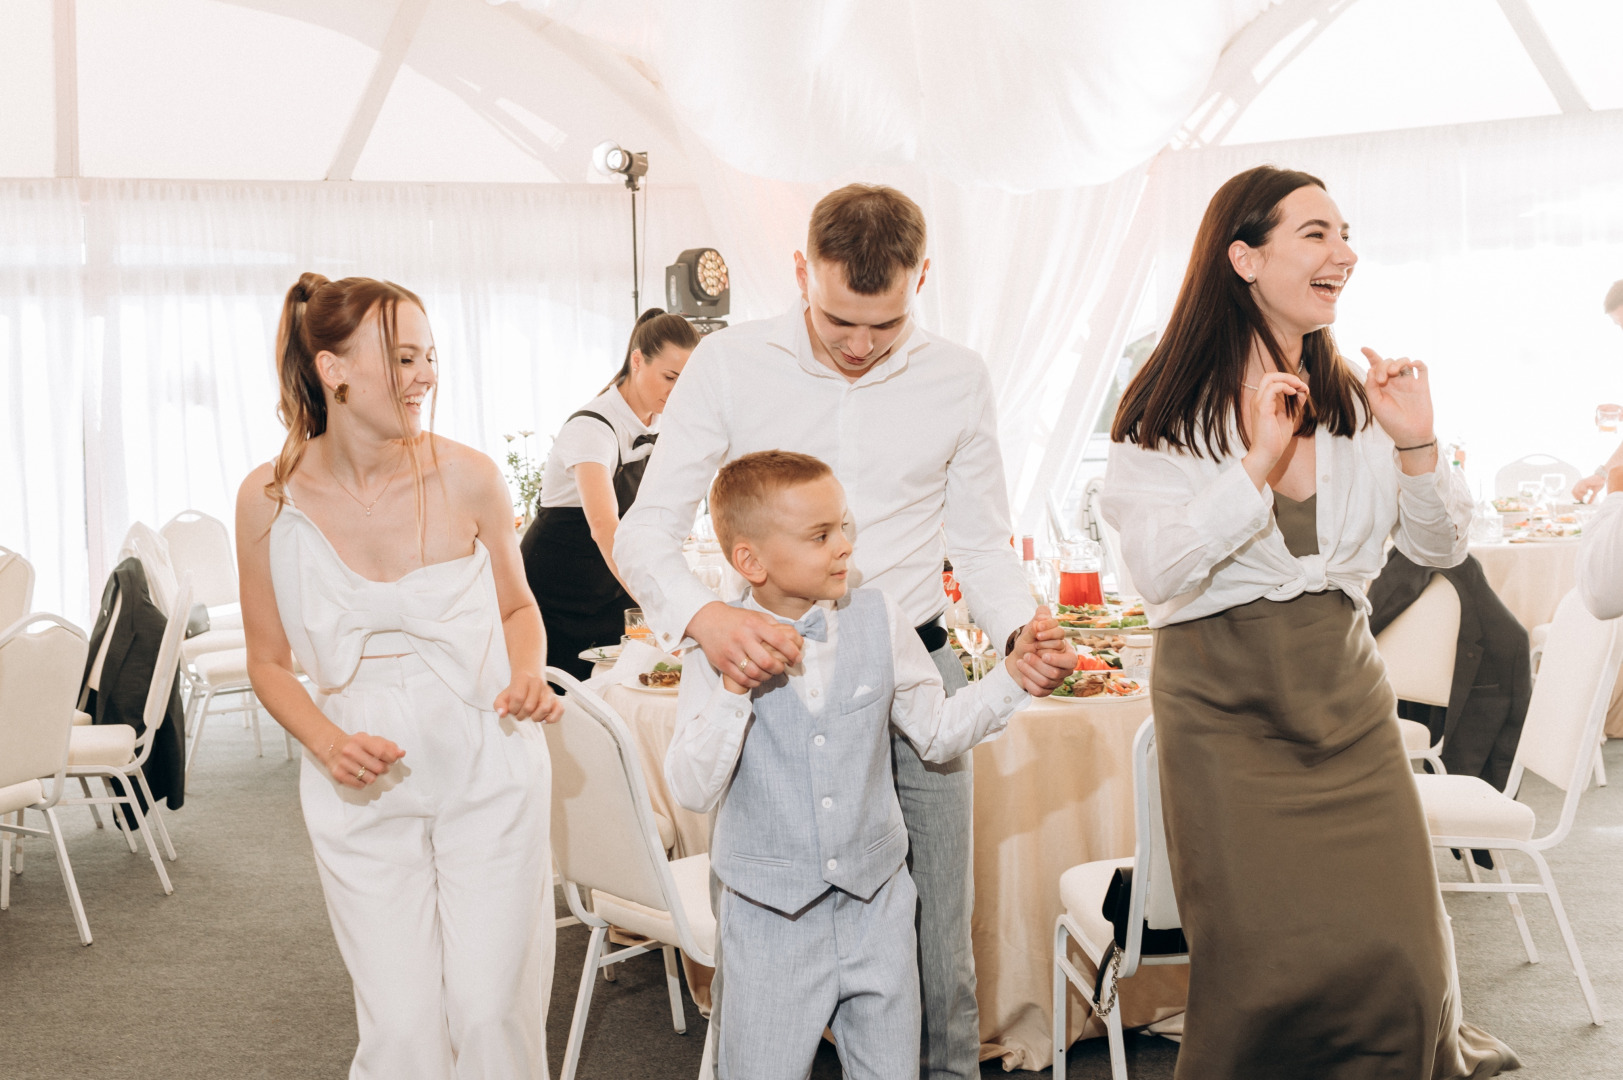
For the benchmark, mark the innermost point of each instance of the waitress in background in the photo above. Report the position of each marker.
(590, 479)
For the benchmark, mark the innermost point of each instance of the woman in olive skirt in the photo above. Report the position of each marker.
(1254, 477)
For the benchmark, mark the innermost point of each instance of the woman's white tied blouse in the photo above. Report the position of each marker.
(1199, 538)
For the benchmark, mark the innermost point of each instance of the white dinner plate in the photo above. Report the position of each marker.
(599, 653)
(665, 691)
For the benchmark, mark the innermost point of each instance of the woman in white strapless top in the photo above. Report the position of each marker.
(384, 561)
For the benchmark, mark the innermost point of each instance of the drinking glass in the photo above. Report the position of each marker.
(1530, 490)
(637, 626)
(1608, 417)
(1555, 484)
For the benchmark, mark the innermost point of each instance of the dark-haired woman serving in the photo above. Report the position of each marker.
(590, 480)
(1254, 477)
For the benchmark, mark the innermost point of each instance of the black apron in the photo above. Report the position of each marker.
(582, 603)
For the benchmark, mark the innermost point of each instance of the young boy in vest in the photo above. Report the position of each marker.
(816, 913)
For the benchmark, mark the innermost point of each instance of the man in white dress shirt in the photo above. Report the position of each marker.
(908, 423)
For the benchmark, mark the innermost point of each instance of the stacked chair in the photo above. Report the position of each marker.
(1151, 905)
(1559, 742)
(41, 660)
(612, 862)
(16, 587)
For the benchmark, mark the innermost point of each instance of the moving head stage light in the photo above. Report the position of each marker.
(696, 286)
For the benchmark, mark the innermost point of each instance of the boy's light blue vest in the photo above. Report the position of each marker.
(812, 801)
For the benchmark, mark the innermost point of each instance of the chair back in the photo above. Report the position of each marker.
(1418, 646)
(1508, 480)
(199, 545)
(1099, 529)
(16, 587)
(167, 666)
(1568, 709)
(1152, 901)
(41, 660)
(604, 835)
(153, 551)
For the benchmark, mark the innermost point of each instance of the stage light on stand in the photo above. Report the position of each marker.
(609, 159)
(697, 287)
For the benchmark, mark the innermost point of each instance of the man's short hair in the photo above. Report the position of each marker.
(875, 232)
(1614, 297)
(741, 495)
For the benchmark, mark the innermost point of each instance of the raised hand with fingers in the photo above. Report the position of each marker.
(357, 760)
(1271, 421)
(1400, 397)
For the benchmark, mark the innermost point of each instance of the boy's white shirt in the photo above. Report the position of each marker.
(711, 723)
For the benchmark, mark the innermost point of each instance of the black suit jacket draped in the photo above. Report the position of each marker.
(1493, 680)
(126, 676)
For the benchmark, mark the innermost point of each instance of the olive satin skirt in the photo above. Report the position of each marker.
(1319, 946)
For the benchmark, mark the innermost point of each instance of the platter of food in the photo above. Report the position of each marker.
(1551, 532)
(1099, 684)
(1091, 619)
(665, 678)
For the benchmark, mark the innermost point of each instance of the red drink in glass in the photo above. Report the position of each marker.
(1078, 587)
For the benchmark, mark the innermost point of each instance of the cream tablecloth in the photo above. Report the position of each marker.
(1054, 790)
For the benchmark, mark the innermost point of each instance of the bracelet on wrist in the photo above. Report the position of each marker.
(1421, 446)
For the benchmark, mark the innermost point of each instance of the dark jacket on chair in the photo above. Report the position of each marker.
(1493, 679)
(126, 675)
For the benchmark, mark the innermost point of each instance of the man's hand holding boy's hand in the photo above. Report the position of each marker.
(1041, 658)
(746, 647)
(1042, 653)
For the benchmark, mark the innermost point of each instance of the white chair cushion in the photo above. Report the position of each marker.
(225, 619)
(1082, 891)
(81, 719)
(1470, 806)
(692, 876)
(219, 669)
(1416, 737)
(18, 796)
(102, 744)
(212, 641)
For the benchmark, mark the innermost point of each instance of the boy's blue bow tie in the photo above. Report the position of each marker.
(813, 625)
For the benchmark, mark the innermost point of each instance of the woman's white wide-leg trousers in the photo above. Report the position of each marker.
(438, 881)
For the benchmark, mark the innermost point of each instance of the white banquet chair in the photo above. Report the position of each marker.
(608, 852)
(200, 545)
(1418, 648)
(1151, 903)
(115, 753)
(1559, 741)
(39, 676)
(16, 587)
(1508, 480)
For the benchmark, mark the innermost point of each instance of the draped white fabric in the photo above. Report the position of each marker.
(1485, 250)
(1039, 94)
(156, 305)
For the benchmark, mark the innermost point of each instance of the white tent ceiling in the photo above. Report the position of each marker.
(1022, 96)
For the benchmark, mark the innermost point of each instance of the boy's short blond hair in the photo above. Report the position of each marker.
(742, 493)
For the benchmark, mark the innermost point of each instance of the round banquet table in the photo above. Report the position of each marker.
(1531, 578)
(1053, 790)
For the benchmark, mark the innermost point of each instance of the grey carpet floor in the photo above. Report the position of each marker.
(237, 975)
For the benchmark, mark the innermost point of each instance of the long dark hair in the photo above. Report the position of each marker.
(1189, 389)
(655, 329)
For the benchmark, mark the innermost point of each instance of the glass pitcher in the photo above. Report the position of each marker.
(1079, 565)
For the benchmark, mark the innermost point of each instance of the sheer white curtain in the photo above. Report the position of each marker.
(1485, 250)
(171, 293)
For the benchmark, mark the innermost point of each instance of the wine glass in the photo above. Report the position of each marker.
(1554, 484)
(970, 638)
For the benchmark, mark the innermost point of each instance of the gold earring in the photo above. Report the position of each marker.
(341, 395)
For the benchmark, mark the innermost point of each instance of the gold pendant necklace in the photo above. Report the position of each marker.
(364, 505)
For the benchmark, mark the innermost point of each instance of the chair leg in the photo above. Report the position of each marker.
(197, 730)
(120, 822)
(6, 842)
(1600, 765)
(1566, 936)
(84, 786)
(707, 1062)
(253, 719)
(287, 744)
(146, 837)
(1061, 996)
(1468, 857)
(155, 814)
(1516, 907)
(673, 984)
(79, 919)
(583, 1002)
(1118, 1049)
